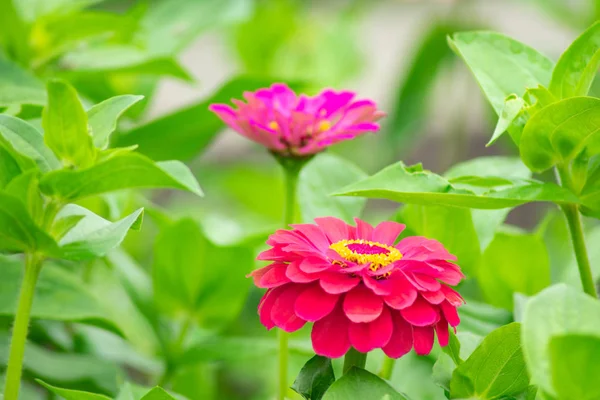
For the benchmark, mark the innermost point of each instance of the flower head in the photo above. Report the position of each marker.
(298, 126)
(358, 287)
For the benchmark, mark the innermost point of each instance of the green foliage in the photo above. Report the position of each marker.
(360, 384)
(574, 367)
(103, 117)
(315, 377)
(68, 394)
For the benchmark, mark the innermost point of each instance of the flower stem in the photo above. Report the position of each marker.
(387, 368)
(354, 358)
(578, 239)
(19, 335)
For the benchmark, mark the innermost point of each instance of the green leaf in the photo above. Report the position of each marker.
(502, 66)
(358, 384)
(60, 296)
(18, 232)
(12, 164)
(513, 105)
(460, 348)
(123, 171)
(188, 275)
(495, 369)
(481, 318)
(92, 236)
(18, 86)
(25, 187)
(69, 394)
(406, 185)
(453, 349)
(28, 141)
(575, 367)
(578, 65)
(103, 117)
(318, 178)
(190, 129)
(559, 132)
(66, 126)
(157, 394)
(314, 378)
(558, 310)
(513, 263)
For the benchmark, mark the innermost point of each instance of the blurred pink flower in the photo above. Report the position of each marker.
(359, 288)
(298, 126)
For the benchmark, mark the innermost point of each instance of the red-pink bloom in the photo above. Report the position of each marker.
(359, 288)
(293, 125)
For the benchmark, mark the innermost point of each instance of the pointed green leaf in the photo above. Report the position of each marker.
(322, 175)
(560, 131)
(92, 236)
(495, 369)
(103, 117)
(157, 394)
(578, 65)
(66, 126)
(123, 171)
(28, 141)
(12, 164)
(314, 378)
(25, 187)
(461, 346)
(510, 111)
(69, 394)
(358, 384)
(575, 367)
(400, 183)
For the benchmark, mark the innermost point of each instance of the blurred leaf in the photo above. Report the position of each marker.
(25, 187)
(358, 384)
(122, 171)
(32, 10)
(513, 105)
(190, 130)
(198, 381)
(321, 176)
(18, 86)
(513, 263)
(66, 126)
(12, 164)
(590, 193)
(68, 394)
(103, 117)
(558, 310)
(157, 394)
(575, 367)
(59, 296)
(496, 368)
(188, 275)
(502, 66)
(578, 65)
(14, 32)
(481, 318)
(315, 377)
(28, 141)
(560, 132)
(461, 347)
(403, 184)
(93, 236)
(570, 269)
(18, 231)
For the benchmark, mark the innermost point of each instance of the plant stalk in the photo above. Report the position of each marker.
(387, 368)
(354, 358)
(21, 327)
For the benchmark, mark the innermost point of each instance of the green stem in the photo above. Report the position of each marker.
(578, 239)
(19, 335)
(387, 368)
(354, 358)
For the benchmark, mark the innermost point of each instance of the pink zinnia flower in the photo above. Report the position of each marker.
(359, 288)
(293, 125)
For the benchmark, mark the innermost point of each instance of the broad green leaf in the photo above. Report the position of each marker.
(495, 369)
(54, 366)
(122, 171)
(103, 117)
(314, 378)
(12, 164)
(481, 318)
(510, 111)
(190, 130)
(560, 131)
(558, 310)
(513, 263)
(358, 384)
(66, 126)
(157, 394)
(502, 66)
(92, 236)
(18, 86)
(68, 394)
(578, 65)
(188, 275)
(413, 185)
(318, 179)
(28, 141)
(25, 187)
(60, 296)
(18, 232)
(575, 367)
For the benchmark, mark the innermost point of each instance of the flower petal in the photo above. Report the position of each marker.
(402, 338)
(387, 232)
(450, 313)
(330, 335)
(336, 283)
(314, 234)
(314, 303)
(334, 228)
(295, 274)
(452, 296)
(283, 313)
(359, 337)
(403, 294)
(364, 230)
(441, 329)
(423, 337)
(433, 297)
(421, 313)
(362, 305)
(381, 329)
(313, 265)
(265, 306)
(274, 277)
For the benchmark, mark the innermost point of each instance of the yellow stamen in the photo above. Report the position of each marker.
(386, 256)
(324, 126)
(273, 125)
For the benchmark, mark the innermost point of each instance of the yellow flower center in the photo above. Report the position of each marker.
(324, 126)
(364, 251)
(273, 125)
